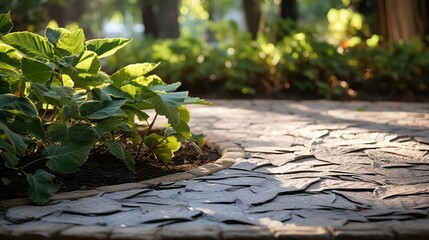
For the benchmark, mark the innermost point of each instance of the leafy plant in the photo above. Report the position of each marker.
(58, 105)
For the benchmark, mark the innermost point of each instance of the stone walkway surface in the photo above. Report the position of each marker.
(312, 170)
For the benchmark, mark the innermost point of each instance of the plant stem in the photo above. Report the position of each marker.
(144, 136)
(30, 163)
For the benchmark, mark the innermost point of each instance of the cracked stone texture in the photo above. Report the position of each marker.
(310, 163)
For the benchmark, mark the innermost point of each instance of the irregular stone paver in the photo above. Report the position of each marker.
(352, 174)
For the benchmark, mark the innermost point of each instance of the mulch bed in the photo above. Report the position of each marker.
(105, 169)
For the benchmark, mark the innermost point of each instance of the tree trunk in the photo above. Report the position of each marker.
(252, 12)
(149, 20)
(400, 20)
(168, 18)
(289, 10)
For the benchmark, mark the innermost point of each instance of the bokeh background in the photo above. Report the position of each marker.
(289, 49)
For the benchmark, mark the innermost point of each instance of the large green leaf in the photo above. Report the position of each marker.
(36, 71)
(15, 139)
(131, 72)
(59, 95)
(88, 66)
(79, 133)
(5, 23)
(166, 104)
(30, 44)
(10, 158)
(72, 42)
(116, 92)
(42, 186)
(101, 110)
(66, 158)
(24, 125)
(163, 148)
(9, 101)
(120, 152)
(65, 41)
(9, 58)
(107, 46)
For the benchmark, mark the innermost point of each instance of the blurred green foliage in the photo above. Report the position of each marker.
(300, 64)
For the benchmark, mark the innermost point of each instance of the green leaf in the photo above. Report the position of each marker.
(5, 23)
(88, 66)
(116, 92)
(106, 47)
(9, 101)
(36, 71)
(135, 111)
(196, 100)
(166, 104)
(131, 72)
(42, 186)
(30, 44)
(184, 114)
(10, 158)
(72, 42)
(57, 131)
(54, 34)
(166, 88)
(59, 95)
(120, 152)
(101, 110)
(66, 158)
(163, 148)
(99, 95)
(15, 139)
(79, 133)
(183, 130)
(24, 125)
(9, 58)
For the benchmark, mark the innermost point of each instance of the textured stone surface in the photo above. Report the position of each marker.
(308, 165)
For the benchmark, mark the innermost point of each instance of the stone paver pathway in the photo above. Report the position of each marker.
(354, 168)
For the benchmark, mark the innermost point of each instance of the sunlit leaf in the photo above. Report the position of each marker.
(5, 23)
(66, 158)
(72, 42)
(131, 72)
(163, 148)
(30, 44)
(120, 152)
(107, 46)
(41, 186)
(196, 100)
(9, 58)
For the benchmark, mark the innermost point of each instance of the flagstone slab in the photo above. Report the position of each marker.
(208, 197)
(200, 186)
(93, 205)
(382, 192)
(332, 184)
(239, 181)
(28, 213)
(224, 213)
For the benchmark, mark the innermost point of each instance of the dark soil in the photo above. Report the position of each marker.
(104, 169)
